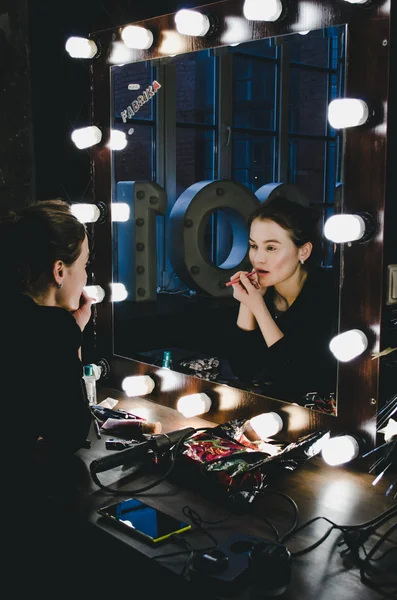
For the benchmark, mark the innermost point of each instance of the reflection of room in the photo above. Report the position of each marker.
(343, 155)
(254, 113)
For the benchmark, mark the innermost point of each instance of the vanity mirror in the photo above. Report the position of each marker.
(238, 118)
(205, 119)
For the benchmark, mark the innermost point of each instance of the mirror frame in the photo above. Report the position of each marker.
(364, 190)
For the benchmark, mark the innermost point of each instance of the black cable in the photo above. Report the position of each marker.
(294, 506)
(353, 542)
(197, 521)
(388, 512)
(313, 546)
(304, 525)
(193, 515)
(365, 563)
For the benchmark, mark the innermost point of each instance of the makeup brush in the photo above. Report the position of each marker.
(232, 281)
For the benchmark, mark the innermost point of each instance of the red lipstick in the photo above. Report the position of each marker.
(232, 281)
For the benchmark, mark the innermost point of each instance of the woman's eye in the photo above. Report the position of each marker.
(252, 247)
(271, 248)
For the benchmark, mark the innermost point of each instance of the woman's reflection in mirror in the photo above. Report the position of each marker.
(288, 310)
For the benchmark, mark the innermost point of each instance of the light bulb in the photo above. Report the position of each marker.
(191, 22)
(340, 450)
(348, 345)
(236, 31)
(171, 43)
(262, 10)
(266, 425)
(96, 292)
(120, 54)
(357, 1)
(193, 405)
(86, 136)
(118, 140)
(347, 112)
(138, 385)
(120, 212)
(390, 431)
(119, 292)
(344, 228)
(86, 213)
(137, 37)
(79, 47)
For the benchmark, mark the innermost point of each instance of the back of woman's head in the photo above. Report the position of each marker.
(301, 222)
(32, 241)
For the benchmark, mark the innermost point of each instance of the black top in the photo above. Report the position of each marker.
(301, 361)
(41, 387)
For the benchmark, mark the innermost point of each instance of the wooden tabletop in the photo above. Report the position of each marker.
(340, 494)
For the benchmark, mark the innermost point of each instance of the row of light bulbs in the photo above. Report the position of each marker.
(339, 229)
(342, 114)
(187, 22)
(335, 451)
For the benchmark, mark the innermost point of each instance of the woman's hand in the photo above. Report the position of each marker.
(248, 291)
(83, 313)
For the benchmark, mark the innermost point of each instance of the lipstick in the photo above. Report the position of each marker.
(232, 281)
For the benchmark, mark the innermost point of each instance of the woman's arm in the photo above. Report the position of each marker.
(301, 361)
(65, 414)
(245, 318)
(253, 310)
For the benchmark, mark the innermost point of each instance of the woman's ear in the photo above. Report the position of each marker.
(305, 251)
(58, 273)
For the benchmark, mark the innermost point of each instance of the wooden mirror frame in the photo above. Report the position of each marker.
(364, 190)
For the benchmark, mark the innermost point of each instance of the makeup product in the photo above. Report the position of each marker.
(129, 428)
(108, 413)
(232, 281)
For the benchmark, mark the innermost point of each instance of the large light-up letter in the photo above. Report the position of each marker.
(186, 235)
(136, 261)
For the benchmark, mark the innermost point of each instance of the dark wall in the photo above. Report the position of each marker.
(16, 173)
(61, 85)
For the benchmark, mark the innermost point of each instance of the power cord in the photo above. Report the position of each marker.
(366, 563)
(198, 522)
(354, 537)
(295, 512)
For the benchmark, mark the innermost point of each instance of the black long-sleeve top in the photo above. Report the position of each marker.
(42, 392)
(301, 361)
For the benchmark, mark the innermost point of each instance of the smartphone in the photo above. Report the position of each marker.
(147, 522)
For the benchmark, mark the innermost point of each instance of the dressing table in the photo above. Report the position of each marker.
(341, 494)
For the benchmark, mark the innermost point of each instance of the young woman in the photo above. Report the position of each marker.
(288, 307)
(43, 311)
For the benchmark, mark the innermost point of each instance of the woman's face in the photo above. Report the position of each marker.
(74, 280)
(272, 252)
